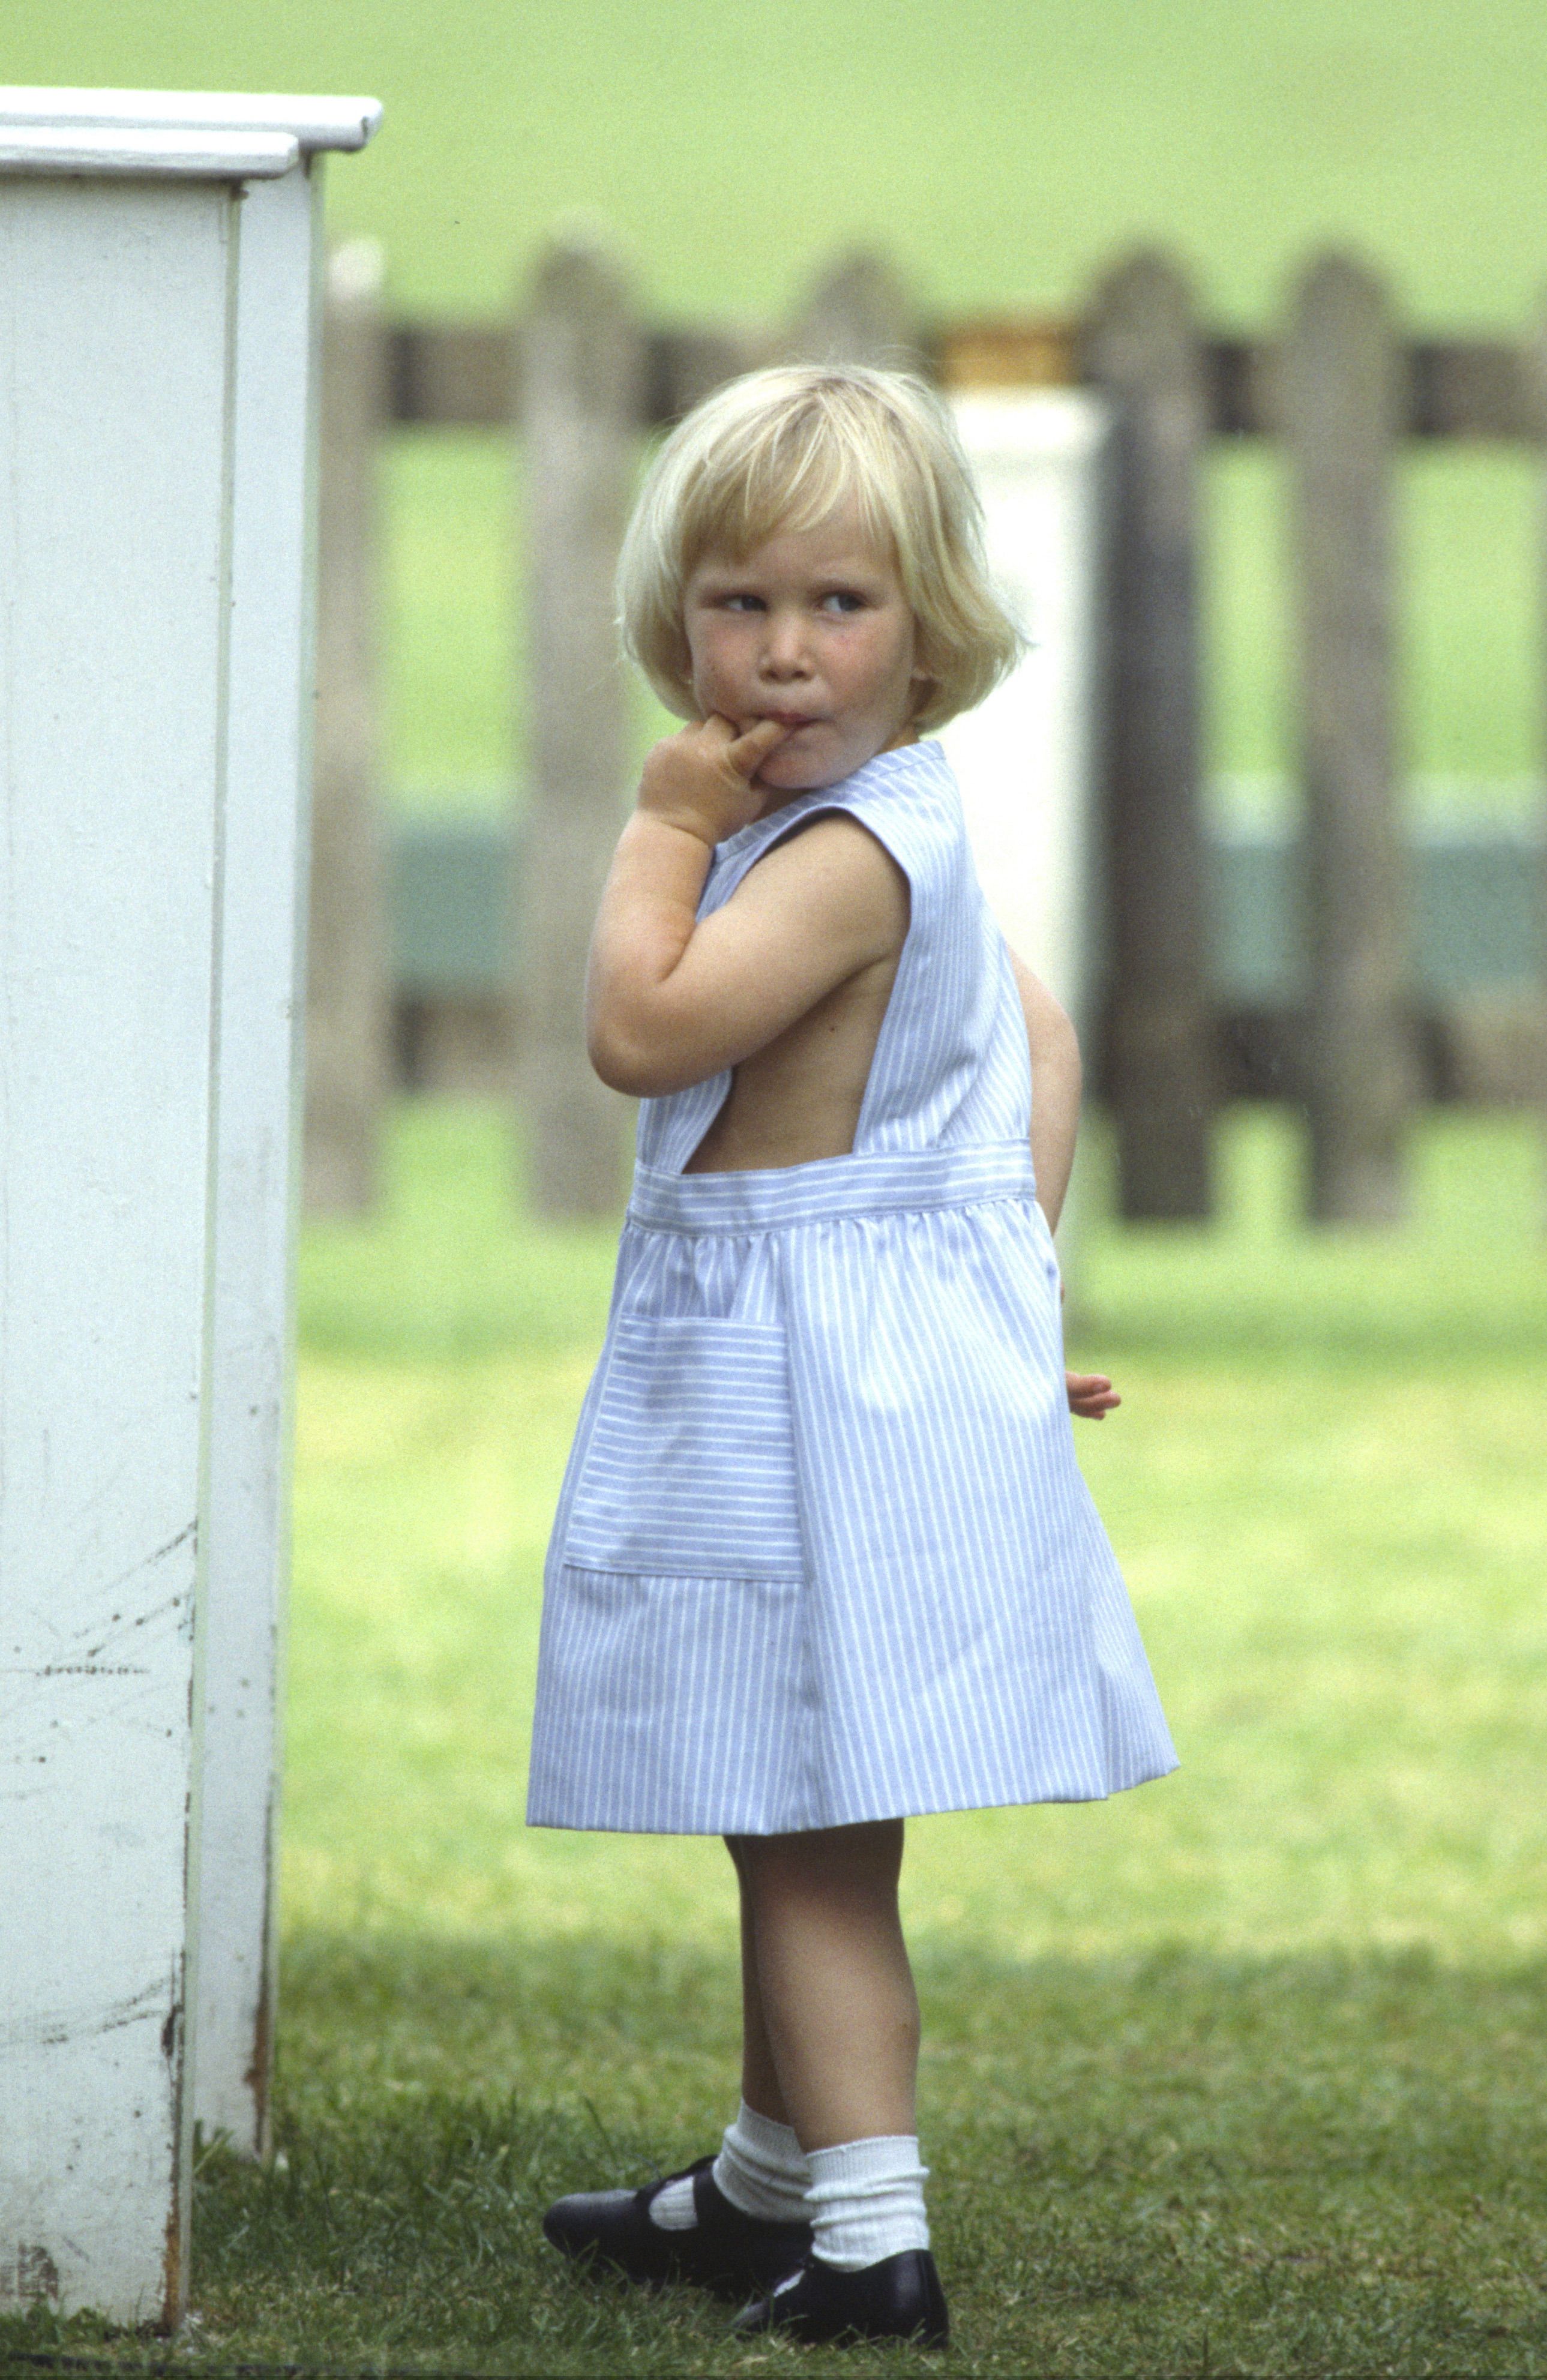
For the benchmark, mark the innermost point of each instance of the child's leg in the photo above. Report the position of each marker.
(831, 2053)
(833, 2012)
(760, 2076)
(832, 2017)
(761, 2168)
(761, 2173)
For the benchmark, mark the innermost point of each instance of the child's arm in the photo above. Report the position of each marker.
(670, 1001)
(1056, 1083)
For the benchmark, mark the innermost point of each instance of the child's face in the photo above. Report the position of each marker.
(811, 630)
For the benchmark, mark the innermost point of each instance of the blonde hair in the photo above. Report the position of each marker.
(782, 450)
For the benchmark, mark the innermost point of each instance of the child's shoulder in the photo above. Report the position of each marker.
(907, 796)
(831, 866)
(898, 817)
(909, 800)
(915, 773)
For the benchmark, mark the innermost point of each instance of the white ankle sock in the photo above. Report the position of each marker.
(866, 2200)
(760, 2168)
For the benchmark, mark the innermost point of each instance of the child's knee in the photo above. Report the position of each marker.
(858, 1863)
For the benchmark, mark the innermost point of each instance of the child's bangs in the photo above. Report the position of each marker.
(788, 475)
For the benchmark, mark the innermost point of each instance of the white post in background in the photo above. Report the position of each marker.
(154, 496)
(1025, 759)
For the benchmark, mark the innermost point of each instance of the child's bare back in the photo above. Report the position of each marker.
(799, 1097)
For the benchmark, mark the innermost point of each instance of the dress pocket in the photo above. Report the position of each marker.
(688, 1469)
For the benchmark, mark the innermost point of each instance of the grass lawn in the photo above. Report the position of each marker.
(1241, 2072)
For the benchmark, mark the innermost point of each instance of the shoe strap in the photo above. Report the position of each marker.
(684, 2173)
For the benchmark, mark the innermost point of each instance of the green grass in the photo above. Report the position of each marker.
(1174, 2165)
(1241, 2072)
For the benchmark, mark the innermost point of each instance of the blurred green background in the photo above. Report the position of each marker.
(999, 147)
(1003, 151)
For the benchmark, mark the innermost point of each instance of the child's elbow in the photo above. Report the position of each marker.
(625, 1062)
(620, 1065)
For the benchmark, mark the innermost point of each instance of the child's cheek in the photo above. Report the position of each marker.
(710, 676)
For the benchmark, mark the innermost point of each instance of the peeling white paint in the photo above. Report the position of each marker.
(113, 383)
(121, 448)
(262, 978)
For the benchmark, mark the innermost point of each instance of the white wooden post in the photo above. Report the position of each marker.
(1026, 757)
(154, 367)
(263, 998)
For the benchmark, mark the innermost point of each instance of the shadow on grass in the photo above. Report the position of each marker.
(1172, 2166)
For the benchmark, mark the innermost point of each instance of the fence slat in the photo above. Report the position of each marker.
(347, 1003)
(1340, 392)
(858, 311)
(1144, 353)
(582, 354)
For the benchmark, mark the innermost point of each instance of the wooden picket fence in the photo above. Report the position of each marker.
(583, 378)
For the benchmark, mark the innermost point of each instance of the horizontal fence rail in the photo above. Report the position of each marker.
(463, 375)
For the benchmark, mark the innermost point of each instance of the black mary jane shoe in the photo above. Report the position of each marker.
(724, 2251)
(898, 2298)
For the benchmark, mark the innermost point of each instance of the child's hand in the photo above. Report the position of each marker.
(1092, 1396)
(702, 777)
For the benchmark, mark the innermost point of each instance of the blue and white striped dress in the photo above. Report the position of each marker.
(823, 1552)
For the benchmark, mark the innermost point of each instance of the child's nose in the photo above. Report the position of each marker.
(786, 650)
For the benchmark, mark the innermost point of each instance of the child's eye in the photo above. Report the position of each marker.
(742, 602)
(843, 598)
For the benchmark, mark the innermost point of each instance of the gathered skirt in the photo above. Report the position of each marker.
(823, 1552)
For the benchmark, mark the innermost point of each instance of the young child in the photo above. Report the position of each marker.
(823, 1559)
